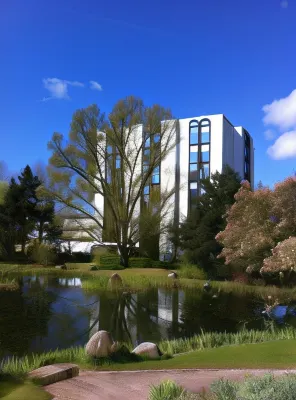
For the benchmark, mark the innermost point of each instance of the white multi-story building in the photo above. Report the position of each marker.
(204, 145)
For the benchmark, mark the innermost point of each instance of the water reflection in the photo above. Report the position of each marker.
(52, 312)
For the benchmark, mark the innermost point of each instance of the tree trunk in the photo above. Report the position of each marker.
(124, 256)
(40, 233)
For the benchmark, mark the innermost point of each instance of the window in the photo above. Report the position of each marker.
(157, 138)
(205, 153)
(155, 177)
(199, 157)
(193, 154)
(146, 190)
(247, 161)
(118, 161)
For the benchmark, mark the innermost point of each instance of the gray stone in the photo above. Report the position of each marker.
(173, 275)
(54, 373)
(64, 266)
(100, 344)
(115, 282)
(148, 349)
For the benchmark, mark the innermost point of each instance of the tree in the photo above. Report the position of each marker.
(111, 161)
(198, 232)
(256, 223)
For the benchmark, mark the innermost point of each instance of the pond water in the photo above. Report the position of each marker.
(49, 312)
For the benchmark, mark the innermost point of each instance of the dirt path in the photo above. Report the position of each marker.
(134, 385)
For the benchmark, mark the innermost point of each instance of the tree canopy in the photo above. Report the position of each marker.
(106, 168)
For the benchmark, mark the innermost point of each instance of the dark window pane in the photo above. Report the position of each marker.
(147, 143)
(205, 153)
(156, 170)
(204, 171)
(109, 149)
(146, 190)
(193, 172)
(108, 175)
(155, 179)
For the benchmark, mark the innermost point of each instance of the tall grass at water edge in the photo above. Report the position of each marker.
(20, 366)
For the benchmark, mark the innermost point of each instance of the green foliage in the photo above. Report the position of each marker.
(94, 268)
(43, 253)
(267, 387)
(198, 232)
(109, 261)
(166, 390)
(140, 262)
(190, 271)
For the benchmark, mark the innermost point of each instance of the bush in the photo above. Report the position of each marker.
(160, 264)
(43, 253)
(190, 271)
(167, 390)
(140, 262)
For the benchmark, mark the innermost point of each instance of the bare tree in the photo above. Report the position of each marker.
(105, 168)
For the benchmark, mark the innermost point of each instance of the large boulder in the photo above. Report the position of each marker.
(115, 281)
(148, 349)
(173, 275)
(100, 344)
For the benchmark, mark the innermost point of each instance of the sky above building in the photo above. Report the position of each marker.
(196, 57)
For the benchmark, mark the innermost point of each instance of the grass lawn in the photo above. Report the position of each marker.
(279, 354)
(141, 278)
(22, 391)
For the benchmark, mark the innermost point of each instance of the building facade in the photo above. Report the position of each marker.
(204, 145)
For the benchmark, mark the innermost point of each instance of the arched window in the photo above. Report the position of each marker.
(193, 163)
(204, 141)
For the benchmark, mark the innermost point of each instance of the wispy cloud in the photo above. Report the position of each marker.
(58, 88)
(282, 112)
(95, 85)
(284, 147)
(284, 4)
(269, 134)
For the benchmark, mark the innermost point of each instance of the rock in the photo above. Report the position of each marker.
(64, 266)
(100, 344)
(148, 349)
(54, 373)
(173, 275)
(115, 281)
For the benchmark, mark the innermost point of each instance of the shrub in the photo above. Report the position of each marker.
(160, 264)
(190, 271)
(43, 253)
(240, 277)
(140, 262)
(167, 390)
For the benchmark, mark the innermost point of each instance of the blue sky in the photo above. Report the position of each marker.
(196, 57)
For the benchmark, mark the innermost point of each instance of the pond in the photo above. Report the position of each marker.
(47, 313)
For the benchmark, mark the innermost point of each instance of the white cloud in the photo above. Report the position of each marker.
(95, 86)
(58, 88)
(284, 4)
(269, 134)
(282, 112)
(284, 147)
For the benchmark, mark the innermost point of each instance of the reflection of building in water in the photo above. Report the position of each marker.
(76, 282)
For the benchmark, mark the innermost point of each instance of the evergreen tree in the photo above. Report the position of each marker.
(197, 233)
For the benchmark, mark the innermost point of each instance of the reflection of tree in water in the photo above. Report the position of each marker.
(24, 316)
(227, 312)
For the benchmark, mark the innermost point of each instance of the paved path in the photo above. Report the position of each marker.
(134, 385)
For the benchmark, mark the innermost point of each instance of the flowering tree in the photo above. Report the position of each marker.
(256, 224)
(248, 236)
(283, 259)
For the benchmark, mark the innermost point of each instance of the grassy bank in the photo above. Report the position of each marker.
(17, 389)
(199, 353)
(144, 278)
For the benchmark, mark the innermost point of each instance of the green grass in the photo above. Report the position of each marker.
(194, 348)
(280, 354)
(145, 278)
(18, 389)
